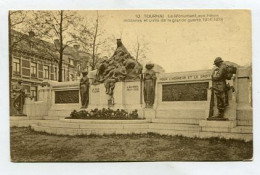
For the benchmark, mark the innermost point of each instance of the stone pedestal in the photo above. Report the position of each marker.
(118, 96)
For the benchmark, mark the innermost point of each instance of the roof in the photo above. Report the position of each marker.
(34, 45)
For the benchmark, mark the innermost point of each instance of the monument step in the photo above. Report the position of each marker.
(217, 124)
(102, 131)
(104, 121)
(244, 123)
(173, 126)
(244, 117)
(87, 131)
(191, 121)
(18, 118)
(201, 134)
(242, 129)
(60, 124)
(216, 129)
(22, 123)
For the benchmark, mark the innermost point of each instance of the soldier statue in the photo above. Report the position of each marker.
(219, 76)
(84, 89)
(149, 85)
(18, 94)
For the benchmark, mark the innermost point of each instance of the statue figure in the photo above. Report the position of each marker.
(101, 71)
(84, 89)
(110, 85)
(18, 94)
(219, 76)
(118, 73)
(149, 85)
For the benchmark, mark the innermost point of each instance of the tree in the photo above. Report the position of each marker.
(92, 38)
(15, 18)
(55, 25)
(140, 48)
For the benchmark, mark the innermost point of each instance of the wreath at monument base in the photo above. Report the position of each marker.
(104, 114)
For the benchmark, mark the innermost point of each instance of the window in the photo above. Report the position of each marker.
(64, 75)
(71, 62)
(33, 69)
(55, 73)
(16, 66)
(46, 72)
(34, 92)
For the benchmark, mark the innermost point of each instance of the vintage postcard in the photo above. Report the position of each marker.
(130, 85)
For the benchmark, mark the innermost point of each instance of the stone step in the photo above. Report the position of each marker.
(201, 134)
(84, 131)
(178, 127)
(104, 121)
(216, 129)
(244, 123)
(24, 123)
(18, 118)
(60, 124)
(191, 121)
(244, 117)
(102, 131)
(217, 124)
(242, 129)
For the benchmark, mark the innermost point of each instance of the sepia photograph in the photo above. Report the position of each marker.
(130, 85)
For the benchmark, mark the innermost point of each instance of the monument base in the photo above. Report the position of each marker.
(149, 113)
(217, 119)
(19, 115)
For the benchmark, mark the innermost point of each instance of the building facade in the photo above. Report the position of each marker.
(35, 60)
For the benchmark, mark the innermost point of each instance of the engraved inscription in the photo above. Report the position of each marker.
(185, 77)
(95, 90)
(71, 96)
(132, 88)
(185, 92)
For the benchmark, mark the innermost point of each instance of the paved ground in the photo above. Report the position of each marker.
(29, 146)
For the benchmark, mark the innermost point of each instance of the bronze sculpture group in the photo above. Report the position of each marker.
(120, 67)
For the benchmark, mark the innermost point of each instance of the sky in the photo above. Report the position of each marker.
(192, 43)
(180, 40)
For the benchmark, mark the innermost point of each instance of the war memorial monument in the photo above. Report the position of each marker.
(207, 103)
(189, 97)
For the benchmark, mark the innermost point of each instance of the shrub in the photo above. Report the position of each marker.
(108, 114)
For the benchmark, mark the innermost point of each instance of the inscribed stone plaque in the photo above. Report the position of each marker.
(185, 92)
(71, 96)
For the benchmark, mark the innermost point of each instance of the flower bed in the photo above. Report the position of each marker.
(104, 114)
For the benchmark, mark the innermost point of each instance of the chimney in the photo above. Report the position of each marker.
(76, 47)
(31, 34)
